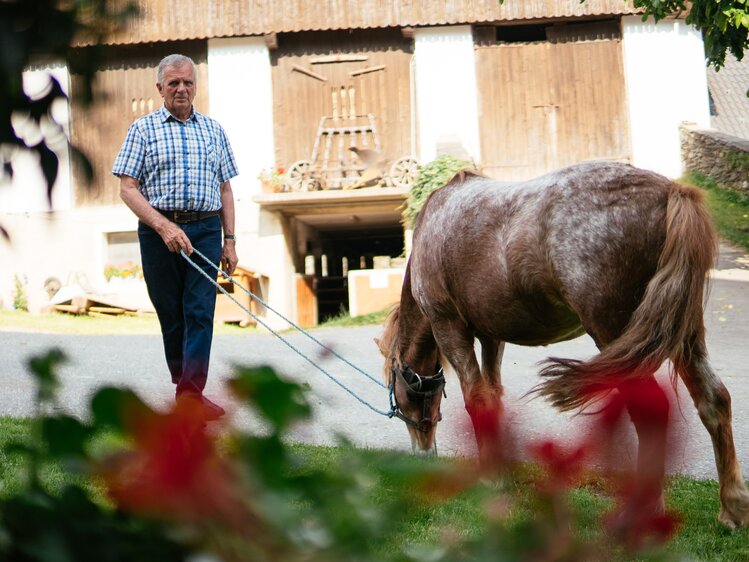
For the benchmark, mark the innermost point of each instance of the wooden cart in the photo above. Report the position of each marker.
(337, 160)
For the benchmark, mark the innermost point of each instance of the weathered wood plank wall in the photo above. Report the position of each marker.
(335, 74)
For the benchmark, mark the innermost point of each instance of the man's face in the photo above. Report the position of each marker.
(178, 89)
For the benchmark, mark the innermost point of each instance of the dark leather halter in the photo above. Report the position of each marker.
(417, 388)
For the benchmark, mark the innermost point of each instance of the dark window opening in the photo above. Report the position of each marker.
(521, 33)
(335, 253)
(557, 32)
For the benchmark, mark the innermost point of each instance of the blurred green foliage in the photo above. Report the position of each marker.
(729, 209)
(431, 176)
(172, 490)
(724, 23)
(20, 300)
(35, 34)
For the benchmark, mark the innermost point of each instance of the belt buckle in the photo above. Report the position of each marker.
(182, 217)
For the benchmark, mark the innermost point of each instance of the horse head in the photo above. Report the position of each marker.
(414, 398)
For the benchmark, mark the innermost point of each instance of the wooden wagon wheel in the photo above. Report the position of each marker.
(299, 176)
(403, 172)
(52, 285)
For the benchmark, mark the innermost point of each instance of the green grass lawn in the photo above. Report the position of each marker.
(730, 210)
(344, 320)
(18, 320)
(464, 514)
(60, 323)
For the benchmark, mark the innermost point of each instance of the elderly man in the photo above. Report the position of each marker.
(174, 169)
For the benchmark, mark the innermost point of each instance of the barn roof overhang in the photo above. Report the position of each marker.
(339, 209)
(206, 19)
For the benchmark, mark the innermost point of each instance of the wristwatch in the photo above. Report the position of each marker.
(232, 237)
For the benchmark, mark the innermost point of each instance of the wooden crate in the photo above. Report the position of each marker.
(227, 310)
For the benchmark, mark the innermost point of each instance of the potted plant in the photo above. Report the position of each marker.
(271, 180)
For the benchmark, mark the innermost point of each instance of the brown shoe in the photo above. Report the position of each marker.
(209, 410)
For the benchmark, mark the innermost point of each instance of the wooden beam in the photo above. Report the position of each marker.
(367, 70)
(271, 41)
(106, 310)
(309, 72)
(328, 59)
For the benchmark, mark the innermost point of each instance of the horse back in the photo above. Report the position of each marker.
(532, 262)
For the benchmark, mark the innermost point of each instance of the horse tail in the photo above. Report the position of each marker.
(667, 324)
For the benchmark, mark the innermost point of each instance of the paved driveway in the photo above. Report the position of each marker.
(137, 361)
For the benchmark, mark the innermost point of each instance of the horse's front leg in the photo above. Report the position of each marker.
(486, 405)
(482, 397)
(648, 408)
(491, 360)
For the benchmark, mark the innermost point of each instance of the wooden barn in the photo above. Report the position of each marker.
(520, 88)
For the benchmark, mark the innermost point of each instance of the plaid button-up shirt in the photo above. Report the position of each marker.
(180, 166)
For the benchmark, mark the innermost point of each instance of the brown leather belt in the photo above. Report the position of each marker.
(181, 217)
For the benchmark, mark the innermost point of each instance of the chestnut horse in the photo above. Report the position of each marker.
(600, 247)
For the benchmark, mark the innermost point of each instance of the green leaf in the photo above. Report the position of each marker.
(43, 369)
(268, 456)
(279, 401)
(65, 436)
(114, 407)
(18, 448)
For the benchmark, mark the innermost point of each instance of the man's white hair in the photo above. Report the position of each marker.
(172, 61)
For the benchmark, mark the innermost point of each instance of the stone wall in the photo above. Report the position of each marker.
(722, 157)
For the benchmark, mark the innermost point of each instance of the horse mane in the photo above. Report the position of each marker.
(388, 344)
(462, 175)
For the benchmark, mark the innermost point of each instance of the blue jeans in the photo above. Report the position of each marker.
(184, 300)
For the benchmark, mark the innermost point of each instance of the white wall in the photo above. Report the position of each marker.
(27, 191)
(664, 66)
(241, 99)
(45, 242)
(446, 92)
(69, 245)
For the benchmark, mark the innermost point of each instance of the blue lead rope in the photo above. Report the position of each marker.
(390, 413)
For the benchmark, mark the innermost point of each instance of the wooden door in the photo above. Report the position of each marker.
(306, 301)
(545, 105)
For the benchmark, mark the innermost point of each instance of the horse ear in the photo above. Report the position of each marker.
(379, 345)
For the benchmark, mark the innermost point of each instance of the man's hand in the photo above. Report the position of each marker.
(174, 237)
(229, 256)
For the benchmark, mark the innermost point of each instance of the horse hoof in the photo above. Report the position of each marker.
(734, 511)
(637, 523)
(726, 520)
